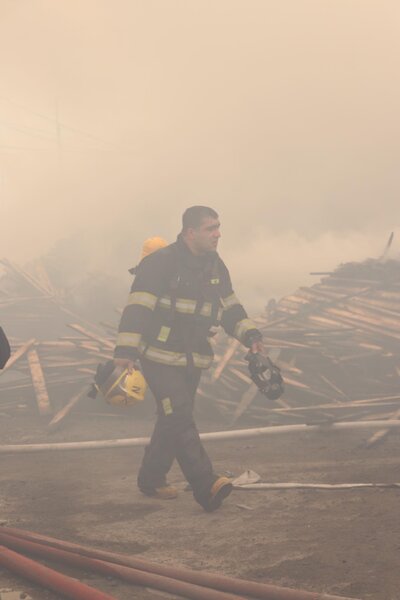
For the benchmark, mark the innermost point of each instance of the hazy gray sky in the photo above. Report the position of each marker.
(283, 115)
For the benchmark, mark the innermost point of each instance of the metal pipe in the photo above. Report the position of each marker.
(261, 591)
(48, 578)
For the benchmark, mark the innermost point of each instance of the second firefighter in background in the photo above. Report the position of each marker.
(179, 295)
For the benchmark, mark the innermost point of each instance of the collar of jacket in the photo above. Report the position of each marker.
(203, 261)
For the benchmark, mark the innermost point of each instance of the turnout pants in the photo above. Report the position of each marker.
(175, 434)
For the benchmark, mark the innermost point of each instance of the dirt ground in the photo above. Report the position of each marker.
(340, 542)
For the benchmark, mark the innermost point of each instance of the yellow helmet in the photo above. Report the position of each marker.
(122, 388)
(151, 245)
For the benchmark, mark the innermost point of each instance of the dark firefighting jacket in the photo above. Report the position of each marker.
(176, 300)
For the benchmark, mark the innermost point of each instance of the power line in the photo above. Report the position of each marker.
(66, 149)
(26, 131)
(9, 147)
(55, 121)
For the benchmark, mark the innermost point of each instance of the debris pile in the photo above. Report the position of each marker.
(337, 343)
(59, 358)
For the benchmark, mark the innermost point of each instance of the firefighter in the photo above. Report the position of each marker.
(179, 295)
(118, 385)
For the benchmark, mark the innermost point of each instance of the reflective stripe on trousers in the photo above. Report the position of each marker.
(175, 434)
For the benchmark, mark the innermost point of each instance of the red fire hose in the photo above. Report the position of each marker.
(261, 591)
(48, 578)
(174, 586)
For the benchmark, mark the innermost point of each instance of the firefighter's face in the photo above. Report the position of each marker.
(205, 237)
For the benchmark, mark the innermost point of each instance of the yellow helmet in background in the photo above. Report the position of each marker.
(151, 245)
(122, 388)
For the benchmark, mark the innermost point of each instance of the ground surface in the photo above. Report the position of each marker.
(340, 542)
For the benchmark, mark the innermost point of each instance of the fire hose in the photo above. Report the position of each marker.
(178, 580)
(48, 578)
(213, 436)
(173, 586)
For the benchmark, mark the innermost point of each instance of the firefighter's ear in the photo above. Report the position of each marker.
(190, 233)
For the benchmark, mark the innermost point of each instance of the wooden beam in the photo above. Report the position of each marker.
(234, 345)
(244, 403)
(18, 354)
(56, 420)
(92, 335)
(39, 383)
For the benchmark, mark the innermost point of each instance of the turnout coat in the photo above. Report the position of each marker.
(176, 301)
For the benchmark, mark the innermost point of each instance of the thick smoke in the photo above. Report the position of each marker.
(281, 115)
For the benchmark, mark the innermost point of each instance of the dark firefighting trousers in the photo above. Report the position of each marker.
(175, 434)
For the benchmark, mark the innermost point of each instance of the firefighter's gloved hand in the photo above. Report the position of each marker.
(253, 340)
(103, 371)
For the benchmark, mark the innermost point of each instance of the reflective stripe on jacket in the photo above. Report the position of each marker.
(175, 300)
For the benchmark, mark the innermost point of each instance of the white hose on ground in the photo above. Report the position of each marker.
(214, 436)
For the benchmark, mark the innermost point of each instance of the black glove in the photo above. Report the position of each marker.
(251, 336)
(103, 372)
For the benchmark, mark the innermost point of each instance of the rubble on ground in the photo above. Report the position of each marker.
(337, 343)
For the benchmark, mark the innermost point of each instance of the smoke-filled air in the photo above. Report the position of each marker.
(282, 115)
(199, 299)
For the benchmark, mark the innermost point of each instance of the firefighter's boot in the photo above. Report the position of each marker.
(220, 490)
(166, 492)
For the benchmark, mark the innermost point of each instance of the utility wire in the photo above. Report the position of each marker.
(54, 120)
(26, 131)
(66, 149)
(7, 147)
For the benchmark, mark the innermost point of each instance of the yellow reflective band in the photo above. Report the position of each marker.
(164, 334)
(202, 361)
(164, 302)
(186, 306)
(242, 327)
(167, 406)
(143, 299)
(165, 357)
(219, 315)
(230, 301)
(182, 305)
(206, 309)
(177, 359)
(129, 339)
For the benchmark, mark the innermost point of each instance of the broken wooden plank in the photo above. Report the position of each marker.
(91, 335)
(39, 383)
(60, 416)
(244, 402)
(18, 354)
(234, 345)
(380, 435)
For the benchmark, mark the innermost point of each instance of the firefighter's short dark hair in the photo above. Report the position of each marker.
(194, 215)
